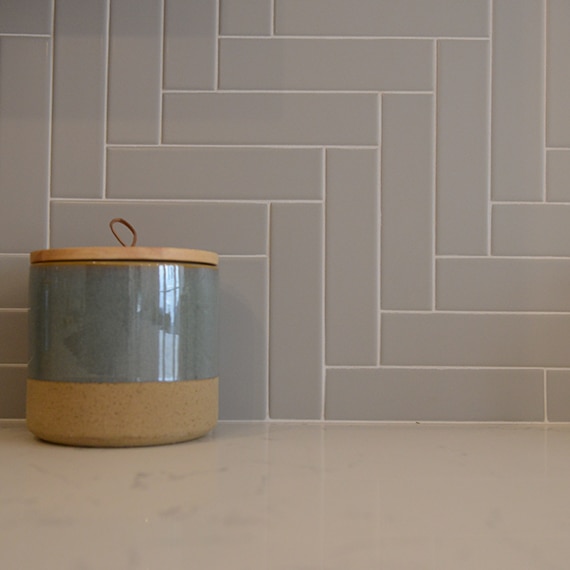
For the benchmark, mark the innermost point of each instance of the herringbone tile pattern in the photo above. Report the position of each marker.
(386, 183)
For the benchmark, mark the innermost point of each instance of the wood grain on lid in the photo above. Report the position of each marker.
(165, 254)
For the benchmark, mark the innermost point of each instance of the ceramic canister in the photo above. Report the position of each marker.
(124, 345)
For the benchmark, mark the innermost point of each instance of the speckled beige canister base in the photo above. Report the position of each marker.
(121, 414)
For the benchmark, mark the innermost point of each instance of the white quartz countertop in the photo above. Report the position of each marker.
(292, 496)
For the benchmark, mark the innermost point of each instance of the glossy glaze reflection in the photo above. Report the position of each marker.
(123, 322)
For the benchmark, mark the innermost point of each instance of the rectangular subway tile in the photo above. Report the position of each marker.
(558, 175)
(518, 100)
(220, 173)
(190, 34)
(244, 338)
(239, 229)
(24, 142)
(352, 214)
(14, 281)
(13, 391)
(558, 78)
(134, 89)
(80, 60)
(503, 284)
(29, 17)
(470, 339)
(407, 201)
(558, 395)
(13, 337)
(295, 349)
(326, 64)
(271, 118)
(462, 162)
(432, 18)
(528, 229)
(416, 394)
(246, 17)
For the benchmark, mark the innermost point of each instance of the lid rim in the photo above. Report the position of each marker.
(136, 253)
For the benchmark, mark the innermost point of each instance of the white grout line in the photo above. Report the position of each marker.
(529, 203)
(161, 71)
(353, 38)
(268, 312)
(185, 201)
(544, 116)
(507, 257)
(50, 130)
(545, 395)
(8, 35)
(225, 146)
(217, 48)
(490, 138)
(370, 423)
(279, 92)
(273, 18)
(478, 256)
(324, 285)
(379, 236)
(244, 256)
(473, 312)
(439, 367)
(435, 179)
(106, 104)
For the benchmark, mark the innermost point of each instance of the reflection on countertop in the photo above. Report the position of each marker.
(292, 496)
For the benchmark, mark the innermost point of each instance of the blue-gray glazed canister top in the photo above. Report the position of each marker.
(123, 314)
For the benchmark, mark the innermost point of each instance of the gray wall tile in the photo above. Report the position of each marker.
(268, 89)
(407, 201)
(270, 118)
(352, 214)
(190, 28)
(518, 100)
(462, 161)
(296, 355)
(503, 284)
(80, 53)
(224, 228)
(558, 78)
(13, 337)
(382, 18)
(461, 339)
(413, 394)
(528, 229)
(29, 17)
(558, 395)
(326, 64)
(13, 391)
(134, 90)
(246, 17)
(558, 175)
(14, 281)
(230, 173)
(244, 338)
(24, 142)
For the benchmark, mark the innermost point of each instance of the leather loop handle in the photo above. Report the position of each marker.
(127, 225)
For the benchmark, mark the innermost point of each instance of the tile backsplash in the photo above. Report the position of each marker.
(387, 183)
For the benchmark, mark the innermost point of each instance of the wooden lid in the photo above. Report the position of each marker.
(164, 254)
